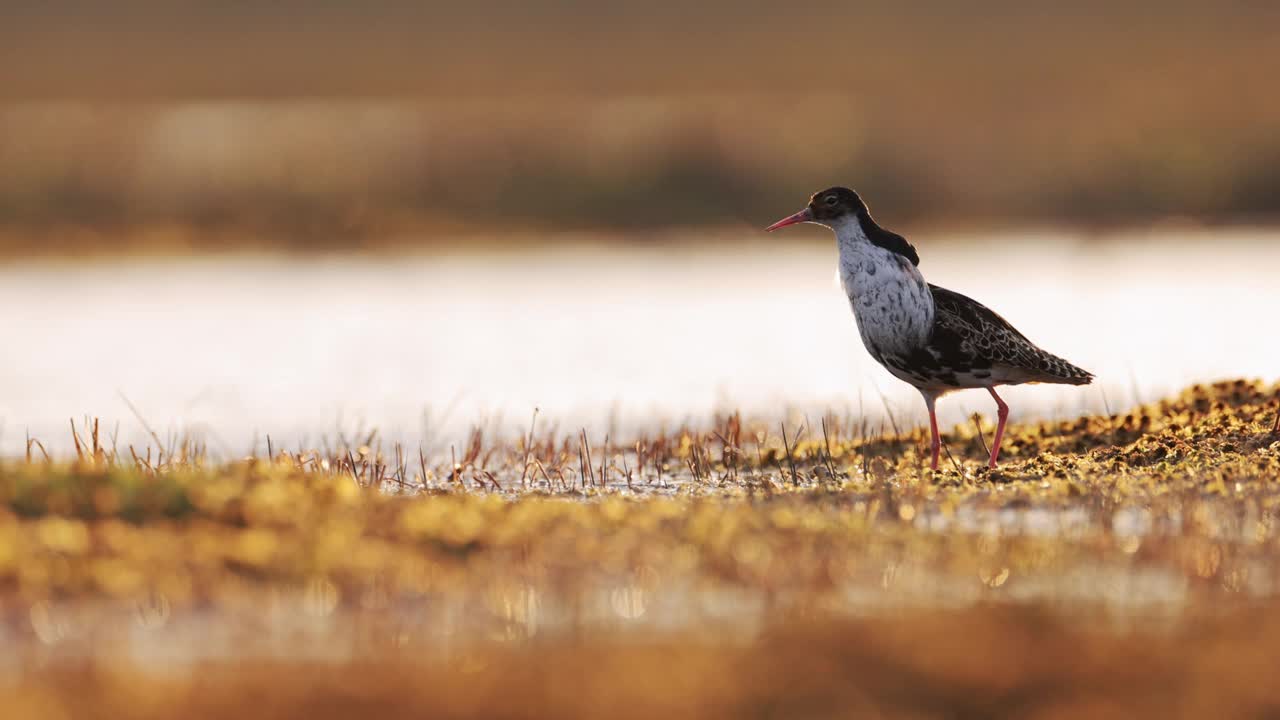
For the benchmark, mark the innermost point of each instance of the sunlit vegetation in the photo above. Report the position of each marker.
(697, 572)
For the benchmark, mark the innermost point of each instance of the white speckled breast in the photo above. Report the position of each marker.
(890, 298)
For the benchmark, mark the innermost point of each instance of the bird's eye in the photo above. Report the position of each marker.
(831, 200)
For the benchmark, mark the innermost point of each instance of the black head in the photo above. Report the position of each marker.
(827, 208)
(833, 206)
(834, 203)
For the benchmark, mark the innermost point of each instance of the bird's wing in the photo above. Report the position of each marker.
(967, 332)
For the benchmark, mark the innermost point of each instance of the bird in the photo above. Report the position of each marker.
(934, 339)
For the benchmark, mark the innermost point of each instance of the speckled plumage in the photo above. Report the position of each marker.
(972, 340)
(889, 297)
(933, 338)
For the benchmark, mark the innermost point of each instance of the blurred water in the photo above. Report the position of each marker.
(423, 346)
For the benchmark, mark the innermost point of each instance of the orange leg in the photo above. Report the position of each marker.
(1002, 413)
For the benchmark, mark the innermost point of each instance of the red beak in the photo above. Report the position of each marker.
(802, 216)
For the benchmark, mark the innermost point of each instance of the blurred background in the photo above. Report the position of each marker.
(339, 125)
(478, 147)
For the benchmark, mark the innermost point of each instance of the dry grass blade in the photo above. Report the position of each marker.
(528, 447)
(893, 421)
(588, 467)
(33, 442)
(826, 443)
(982, 440)
(954, 464)
(155, 437)
(795, 476)
(604, 463)
(75, 437)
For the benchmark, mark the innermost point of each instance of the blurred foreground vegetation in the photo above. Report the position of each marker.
(1121, 564)
(988, 661)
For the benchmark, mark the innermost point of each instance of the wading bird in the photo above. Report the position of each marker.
(932, 338)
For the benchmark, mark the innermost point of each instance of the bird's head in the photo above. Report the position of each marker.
(829, 207)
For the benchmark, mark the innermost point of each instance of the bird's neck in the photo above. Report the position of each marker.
(850, 237)
(858, 254)
(887, 293)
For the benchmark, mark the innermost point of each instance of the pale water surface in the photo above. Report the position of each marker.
(423, 346)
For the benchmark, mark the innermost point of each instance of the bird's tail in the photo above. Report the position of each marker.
(1061, 372)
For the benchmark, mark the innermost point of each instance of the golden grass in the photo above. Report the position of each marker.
(1115, 565)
